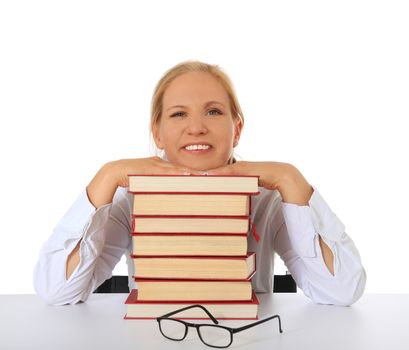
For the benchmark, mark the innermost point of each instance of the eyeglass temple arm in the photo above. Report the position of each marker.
(235, 330)
(190, 307)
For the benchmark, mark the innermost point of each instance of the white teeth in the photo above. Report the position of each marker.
(196, 147)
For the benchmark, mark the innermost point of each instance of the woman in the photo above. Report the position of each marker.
(196, 121)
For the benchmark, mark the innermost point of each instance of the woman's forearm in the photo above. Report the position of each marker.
(102, 187)
(294, 188)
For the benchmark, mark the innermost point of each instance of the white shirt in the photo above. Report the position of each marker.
(288, 229)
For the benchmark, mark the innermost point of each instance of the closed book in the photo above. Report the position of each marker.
(140, 309)
(189, 245)
(191, 224)
(191, 204)
(193, 184)
(207, 267)
(193, 290)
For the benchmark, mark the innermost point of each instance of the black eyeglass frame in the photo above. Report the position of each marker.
(231, 330)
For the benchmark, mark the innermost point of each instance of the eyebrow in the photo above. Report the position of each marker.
(208, 103)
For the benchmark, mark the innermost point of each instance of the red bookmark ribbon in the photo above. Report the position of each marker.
(255, 234)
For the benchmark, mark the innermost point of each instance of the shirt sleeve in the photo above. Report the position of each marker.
(297, 242)
(104, 235)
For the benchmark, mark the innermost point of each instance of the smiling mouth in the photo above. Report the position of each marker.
(197, 147)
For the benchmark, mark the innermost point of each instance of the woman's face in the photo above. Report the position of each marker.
(196, 128)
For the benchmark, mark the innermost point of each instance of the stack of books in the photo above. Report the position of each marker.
(190, 246)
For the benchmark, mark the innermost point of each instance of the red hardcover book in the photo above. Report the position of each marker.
(193, 224)
(189, 245)
(222, 310)
(191, 290)
(195, 267)
(222, 184)
(203, 204)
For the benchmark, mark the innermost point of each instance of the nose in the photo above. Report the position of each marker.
(196, 125)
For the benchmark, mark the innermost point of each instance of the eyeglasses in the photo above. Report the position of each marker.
(212, 335)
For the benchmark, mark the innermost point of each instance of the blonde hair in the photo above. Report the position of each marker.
(186, 67)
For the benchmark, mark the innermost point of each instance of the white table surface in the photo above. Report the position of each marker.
(376, 321)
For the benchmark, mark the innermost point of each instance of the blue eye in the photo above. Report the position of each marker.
(215, 110)
(178, 114)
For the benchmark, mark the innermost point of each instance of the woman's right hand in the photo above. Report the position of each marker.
(102, 188)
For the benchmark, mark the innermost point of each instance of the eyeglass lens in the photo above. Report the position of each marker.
(215, 336)
(209, 334)
(173, 329)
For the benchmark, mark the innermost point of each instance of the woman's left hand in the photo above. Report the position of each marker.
(284, 177)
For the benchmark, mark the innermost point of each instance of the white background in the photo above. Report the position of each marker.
(323, 85)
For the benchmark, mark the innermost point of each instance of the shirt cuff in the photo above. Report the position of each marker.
(304, 222)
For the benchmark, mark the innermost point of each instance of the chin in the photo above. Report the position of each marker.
(201, 165)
